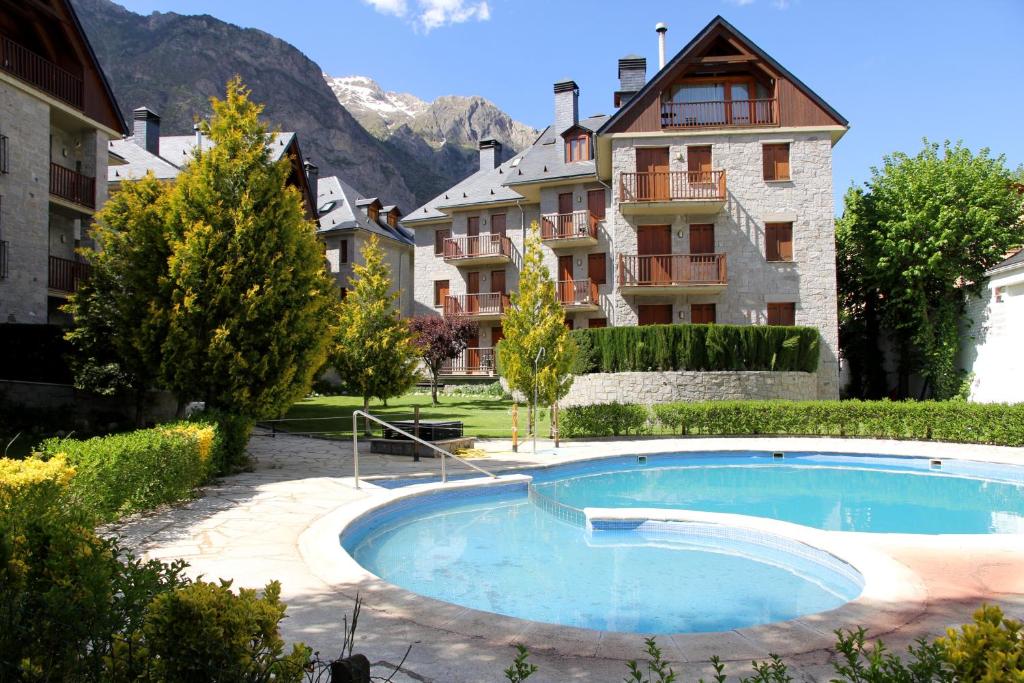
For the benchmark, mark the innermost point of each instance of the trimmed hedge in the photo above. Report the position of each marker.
(953, 421)
(698, 347)
(125, 473)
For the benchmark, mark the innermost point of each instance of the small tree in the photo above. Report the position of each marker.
(251, 302)
(374, 352)
(534, 321)
(440, 339)
(121, 312)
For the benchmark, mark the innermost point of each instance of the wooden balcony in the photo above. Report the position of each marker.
(472, 361)
(66, 275)
(478, 250)
(40, 72)
(576, 229)
(484, 306)
(578, 295)
(672, 273)
(720, 113)
(661, 192)
(72, 186)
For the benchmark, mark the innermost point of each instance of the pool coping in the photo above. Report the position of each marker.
(893, 595)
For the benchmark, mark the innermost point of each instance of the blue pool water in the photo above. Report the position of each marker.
(496, 550)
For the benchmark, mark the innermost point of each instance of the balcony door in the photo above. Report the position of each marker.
(702, 238)
(655, 242)
(565, 214)
(497, 334)
(565, 283)
(473, 236)
(473, 353)
(652, 165)
(497, 286)
(698, 163)
(472, 290)
(703, 266)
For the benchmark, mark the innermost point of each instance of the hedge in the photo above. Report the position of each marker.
(120, 474)
(698, 347)
(953, 421)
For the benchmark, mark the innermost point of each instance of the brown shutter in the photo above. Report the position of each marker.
(596, 203)
(597, 322)
(498, 224)
(597, 268)
(778, 241)
(702, 314)
(473, 226)
(654, 314)
(440, 292)
(498, 281)
(782, 314)
(439, 237)
(782, 162)
(786, 242)
(768, 157)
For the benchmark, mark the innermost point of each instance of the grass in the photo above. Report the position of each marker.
(482, 416)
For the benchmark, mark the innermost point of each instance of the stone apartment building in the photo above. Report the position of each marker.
(705, 198)
(347, 220)
(57, 113)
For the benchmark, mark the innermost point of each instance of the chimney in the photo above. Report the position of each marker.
(567, 105)
(661, 28)
(146, 129)
(490, 151)
(313, 178)
(632, 76)
(199, 139)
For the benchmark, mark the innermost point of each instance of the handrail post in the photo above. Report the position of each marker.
(415, 444)
(444, 471)
(355, 446)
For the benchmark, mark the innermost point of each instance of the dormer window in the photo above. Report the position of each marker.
(577, 146)
(373, 212)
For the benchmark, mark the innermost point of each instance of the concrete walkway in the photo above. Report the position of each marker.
(247, 528)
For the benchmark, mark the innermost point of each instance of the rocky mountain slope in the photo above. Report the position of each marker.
(174, 63)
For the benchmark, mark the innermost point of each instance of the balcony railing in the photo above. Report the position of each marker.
(672, 186)
(562, 226)
(487, 303)
(36, 70)
(3, 259)
(477, 246)
(72, 186)
(577, 292)
(672, 270)
(757, 112)
(66, 275)
(472, 361)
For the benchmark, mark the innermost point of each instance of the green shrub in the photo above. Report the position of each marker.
(205, 632)
(120, 474)
(233, 431)
(953, 421)
(990, 649)
(604, 419)
(697, 347)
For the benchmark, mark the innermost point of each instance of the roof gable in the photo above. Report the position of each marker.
(721, 44)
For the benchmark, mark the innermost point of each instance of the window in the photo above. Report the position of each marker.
(998, 293)
(577, 147)
(702, 314)
(654, 314)
(439, 237)
(498, 224)
(782, 314)
(473, 226)
(597, 268)
(343, 251)
(597, 322)
(778, 241)
(440, 292)
(776, 161)
(344, 293)
(373, 212)
(569, 323)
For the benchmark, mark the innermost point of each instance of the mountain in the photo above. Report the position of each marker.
(442, 134)
(175, 63)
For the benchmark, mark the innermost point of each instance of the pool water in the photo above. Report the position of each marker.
(505, 555)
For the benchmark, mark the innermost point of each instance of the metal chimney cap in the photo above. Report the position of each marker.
(661, 27)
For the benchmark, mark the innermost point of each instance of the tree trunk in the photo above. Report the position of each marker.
(179, 412)
(433, 387)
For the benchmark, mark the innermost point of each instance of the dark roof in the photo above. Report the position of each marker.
(719, 22)
(99, 68)
(345, 211)
(1015, 259)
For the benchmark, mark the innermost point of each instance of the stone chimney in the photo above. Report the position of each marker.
(313, 178)
(146, 129)
(632, 76)
(567, 105)
(490, 151)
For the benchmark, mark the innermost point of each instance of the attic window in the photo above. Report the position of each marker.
(577, 147)
(326, 206)
(373, 212)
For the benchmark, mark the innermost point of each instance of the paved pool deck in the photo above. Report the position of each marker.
(262, 525)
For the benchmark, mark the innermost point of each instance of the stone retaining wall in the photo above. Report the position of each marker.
(666, 387)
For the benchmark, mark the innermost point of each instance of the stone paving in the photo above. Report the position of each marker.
(248, 526)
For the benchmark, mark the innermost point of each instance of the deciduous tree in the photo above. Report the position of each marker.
(440, 339)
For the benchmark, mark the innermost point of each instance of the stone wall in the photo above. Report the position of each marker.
(666, 387)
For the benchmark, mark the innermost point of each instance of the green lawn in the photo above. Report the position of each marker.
(482, 416)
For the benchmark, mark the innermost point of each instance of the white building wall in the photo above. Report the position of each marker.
(991, 339)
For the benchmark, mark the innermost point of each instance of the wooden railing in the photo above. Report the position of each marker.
(3, 259)
(670, 186)
(476, 246)
(672, 269)
(486, 303)
(560, 226)
(472, 361)
(19, 61)
(577, 292)
(756, 112)
(72, 186)
(66, 275)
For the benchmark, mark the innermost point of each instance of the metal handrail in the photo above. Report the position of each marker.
(443, 452)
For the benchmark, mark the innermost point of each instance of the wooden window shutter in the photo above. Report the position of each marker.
(768, 162)
(343, 255)
(597, 268)
(597, 322)
(778, 241)
(498, 224)
(440, 292)
(776, 161)
(439, 237)
(782, 313)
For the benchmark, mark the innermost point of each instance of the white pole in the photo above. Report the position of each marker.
(661, 28)
(355, 446)
(536, 415)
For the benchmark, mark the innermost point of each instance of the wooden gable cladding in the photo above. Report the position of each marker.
(771, 95)
(44, 45)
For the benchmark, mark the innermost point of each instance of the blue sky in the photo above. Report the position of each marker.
(899, 70)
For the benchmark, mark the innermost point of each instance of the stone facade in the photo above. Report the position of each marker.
(398, 257)
(666, 387)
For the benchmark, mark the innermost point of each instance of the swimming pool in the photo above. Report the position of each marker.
(544, 551)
